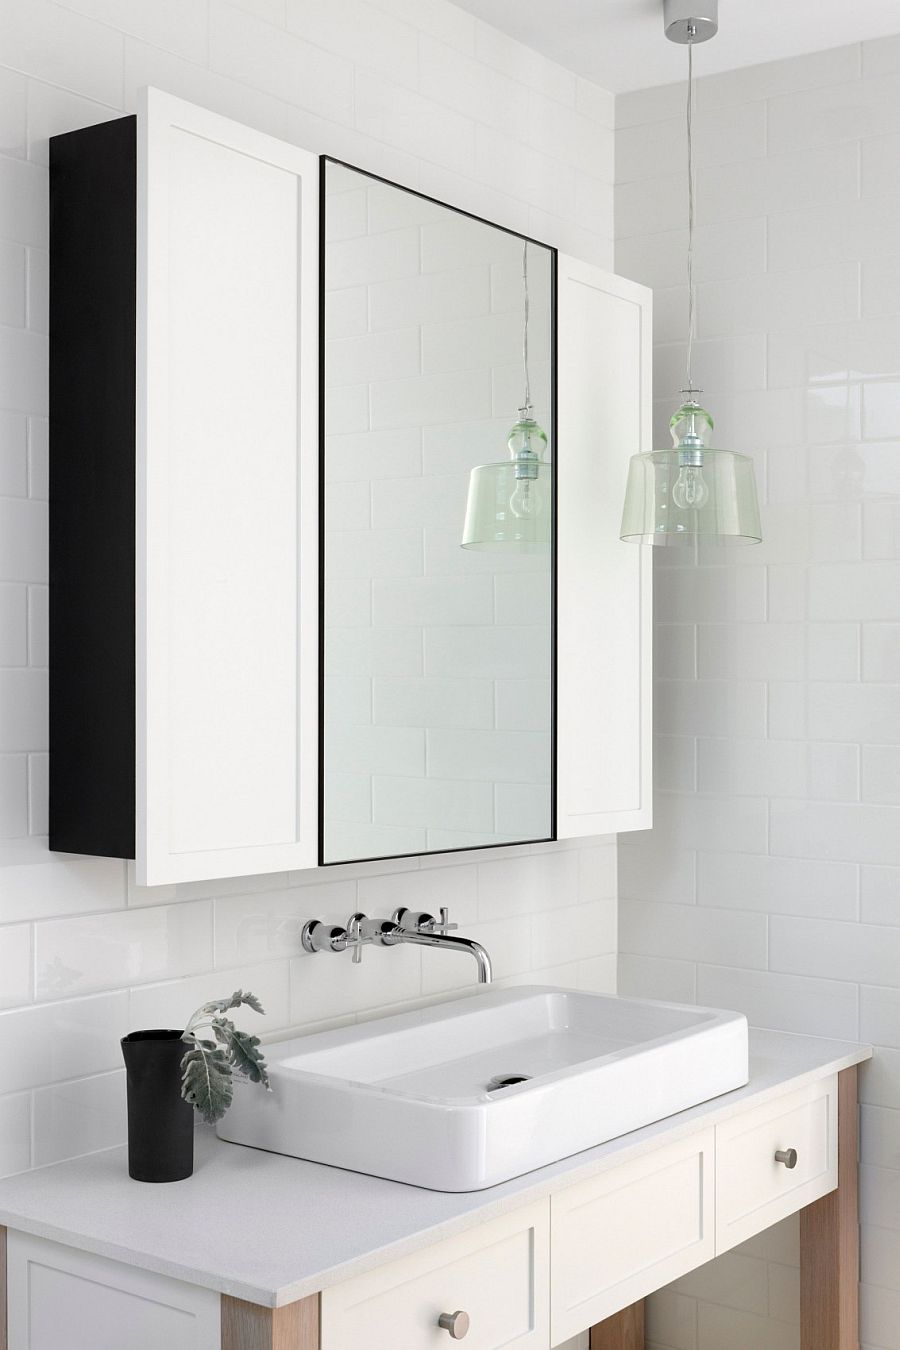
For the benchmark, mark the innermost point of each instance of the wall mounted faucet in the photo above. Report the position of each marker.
(415, 927)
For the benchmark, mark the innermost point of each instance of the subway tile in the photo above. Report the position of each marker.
(23, 540)
(413, 123)
(455, 78)
(657, 977)
(59, 885)
(708, 594)
(435, 702)
(13, 117)
(726, 250)
(513, 886)
(529, 68)
(13, 796)
(879, 1013)
(881, 56)
(23, 710)
(373, 454)
(453, 887)
(523, 810)
(15, 965)
(721, 1328)
(266, 925)
(376, 749)
(421, 801)
(551, 940)
(522, 171)
(279, 63)
(103, 951)
(879, 1194)
(488, 653)
(489, 756)
(38, 794)
(710, 708)
(782, 182)
(879, 889)
(347, 797)
(13, 625)
(385, 356)
(649, 150)
(363, 33)
(845, 951)
(145, 64)
(834, 113)
(427, 601)
(432, 398)
(366, 554)
(172, 1002)
(452, 295)
(735, 766)
(323, 988)
(655, 865)
(833, 66)
(849, 231)
(881, 774)
(880, 1251)
(51, 43)
(79, 1117)
(522, 705)
(807, 1007)
(171, 24)
(674, 651)
(675, 763)
(63, 1040)
(13, 455)
(346, 313)
(733, 1280)
(880, 1081)
(801, 886)
(15, 1133)
(849, 831)
(354, 652)
(880, 1317)
(835, 712)
(778, 300)
(23, 362)
(694, 933)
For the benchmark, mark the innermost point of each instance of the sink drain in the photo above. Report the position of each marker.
(505, 1080)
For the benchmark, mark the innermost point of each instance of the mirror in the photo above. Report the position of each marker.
(438, 659)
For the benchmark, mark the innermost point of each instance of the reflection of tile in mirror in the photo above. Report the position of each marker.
(437, 694)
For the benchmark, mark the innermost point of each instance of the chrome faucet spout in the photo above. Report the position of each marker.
(447, 941)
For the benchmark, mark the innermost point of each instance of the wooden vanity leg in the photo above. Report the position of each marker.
(829, 1243)
(248, 1326)
(624, 1331)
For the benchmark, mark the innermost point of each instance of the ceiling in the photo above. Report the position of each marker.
(620, 43)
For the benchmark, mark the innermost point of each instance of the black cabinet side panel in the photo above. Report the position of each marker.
(93, 179)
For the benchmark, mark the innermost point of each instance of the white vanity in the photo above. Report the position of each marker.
(258, 1251)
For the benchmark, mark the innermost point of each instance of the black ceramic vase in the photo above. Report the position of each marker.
(160, 1122)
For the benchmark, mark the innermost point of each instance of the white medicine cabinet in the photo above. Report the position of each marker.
(271, 378)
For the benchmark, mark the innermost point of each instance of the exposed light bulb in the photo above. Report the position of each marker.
(689, 491)
(526, 501)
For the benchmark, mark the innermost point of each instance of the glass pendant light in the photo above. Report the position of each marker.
(510, 506)
(692, 491)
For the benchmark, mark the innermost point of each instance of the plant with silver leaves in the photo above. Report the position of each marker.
(209, 1064)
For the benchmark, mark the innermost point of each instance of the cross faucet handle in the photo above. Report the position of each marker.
(443, 925)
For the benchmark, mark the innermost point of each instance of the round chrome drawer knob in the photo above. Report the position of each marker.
(456, 1323)
(788, 1156)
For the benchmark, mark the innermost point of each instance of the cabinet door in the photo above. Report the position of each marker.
(61, 1297)
(227, 497)
(604, 585)
(629, 1231)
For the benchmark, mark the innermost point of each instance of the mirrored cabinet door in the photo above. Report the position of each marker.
(439, 527)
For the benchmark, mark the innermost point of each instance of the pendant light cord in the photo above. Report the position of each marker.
(690, 248)
(525, 329)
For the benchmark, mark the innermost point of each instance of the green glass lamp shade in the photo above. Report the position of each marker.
(692, 491)
(510, 504)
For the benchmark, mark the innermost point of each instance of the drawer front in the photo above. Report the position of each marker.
(754, 1189)
(498, 1275)
(62, 1297)
(630, 1231)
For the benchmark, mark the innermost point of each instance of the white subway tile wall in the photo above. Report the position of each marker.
(417, 91)
(771, 882)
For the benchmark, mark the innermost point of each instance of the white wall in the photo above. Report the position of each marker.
(771, 882)
(438, 696)
(414, 90)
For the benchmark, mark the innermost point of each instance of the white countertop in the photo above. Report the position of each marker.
(272, 1229)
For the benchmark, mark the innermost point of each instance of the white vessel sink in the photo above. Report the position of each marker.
(411, 1098)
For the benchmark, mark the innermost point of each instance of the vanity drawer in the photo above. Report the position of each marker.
(753, 1188)
(498, 1275)
(629, 1231)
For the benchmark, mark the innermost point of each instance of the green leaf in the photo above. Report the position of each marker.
(243, 1051)
(206, 1081)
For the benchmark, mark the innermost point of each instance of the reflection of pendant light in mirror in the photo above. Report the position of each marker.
(692, 491)
(510, 503)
